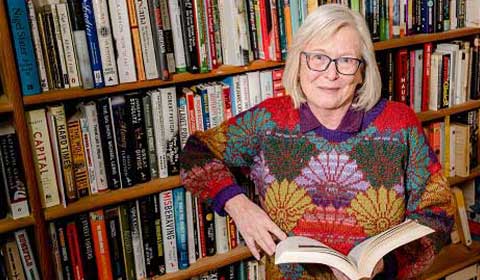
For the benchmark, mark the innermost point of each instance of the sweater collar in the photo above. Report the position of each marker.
(351, 122)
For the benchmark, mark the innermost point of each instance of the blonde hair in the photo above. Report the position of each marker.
(322, 24)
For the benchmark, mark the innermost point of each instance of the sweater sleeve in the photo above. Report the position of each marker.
(429, 201)
(208, 158)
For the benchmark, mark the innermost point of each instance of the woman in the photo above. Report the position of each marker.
(331, 161)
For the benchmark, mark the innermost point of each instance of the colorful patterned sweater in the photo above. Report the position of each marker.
(337, 186)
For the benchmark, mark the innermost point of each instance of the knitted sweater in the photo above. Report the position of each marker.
(337, 186)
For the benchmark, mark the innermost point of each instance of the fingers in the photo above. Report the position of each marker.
(252, 247)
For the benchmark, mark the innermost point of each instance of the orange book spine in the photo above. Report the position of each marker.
(288, 22)
(80, 171)
(100, 244)
(137, 47)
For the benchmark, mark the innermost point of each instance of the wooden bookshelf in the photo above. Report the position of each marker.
(9, 224)
(111, 197)
(452, 181)
(432, 115)
(74, 93)
(425, 38)
(453, 258)
(209, 263)
(5, 105)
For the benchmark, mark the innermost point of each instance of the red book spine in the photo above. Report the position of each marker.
(201, 229)
(264, 28)
(227, 102)
(192, 124)
(412, 79)
(232, 233)
(73, 245)
(211, 33)
(427, 56)
(401, 76)
(275, 32)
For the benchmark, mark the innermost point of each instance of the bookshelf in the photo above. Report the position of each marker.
(12, 103)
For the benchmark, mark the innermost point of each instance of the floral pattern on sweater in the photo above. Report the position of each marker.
(336, 187)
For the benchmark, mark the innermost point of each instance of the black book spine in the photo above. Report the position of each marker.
(64, 252)
(86, 246)
(53, 58)
(148, 236)
(137, 142)
(158, 234)
(187, 17)
(209, 222)
(252, 28)
(121, 134)
(158, 38)
(108, 144)
(112, 222)
(438, 15)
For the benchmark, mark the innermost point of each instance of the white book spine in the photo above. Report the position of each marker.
(57, 261)
(87, 143)
(80, 38)
(254, 87)
(42, 71)
(219, 100)
(42, 155)
(56, 156)
(190, 227)
(183, 120)
(178, 47)
(105, 42)
(148, 49)
(433, 91)
(90, 113)
(197, 101)
(68, 48)
(238, 94)
(212, 105)
(26, 255)
(60, 48)
(159, 132)
(123, 41)
(418, 80)
(230, 43)
(266, 84)
(168, 231)
(221, 234)
(137, 242)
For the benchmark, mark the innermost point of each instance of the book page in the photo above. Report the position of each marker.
(300, 249)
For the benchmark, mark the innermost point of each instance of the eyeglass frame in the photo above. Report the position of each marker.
(307, 58)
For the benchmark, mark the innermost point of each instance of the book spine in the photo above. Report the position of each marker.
(105, 42)
(201, 245)
(56, 156)
(187, 20)
(203, 93)
(158, 128)
(232, 233)
(66, 32)
(137, 244)
(158, 38)
(42, 70)
(169, 231)
(24, 54)
(107, 137)
(91, 115)
(210, 26)
(13, 175)
(100, 245)
(93, 44)
(57, 259)
(126, 235)
(198, 112)
(167, 35)
(112, 222)
(51, 56)
(148, 49)
(80, 41)
(182, 120)
(123, 41)
(73, 245)
(170, 125)
(26, 255)
(12, 260)
(42, 156)
(80, 169)
(181, 227)
(252, 28)
(86, 246)
(62, 241)
(118, 107)
(60, 48)
(189, 215)
(87, 149)
(138, 147)
(178, 43)
(227, 102)
(427, 56)
(221, 234)
(148, 235)
(150, 134)
(137, 46)
(209, 228)
(191, 118)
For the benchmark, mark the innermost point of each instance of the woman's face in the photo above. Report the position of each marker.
(330, 90)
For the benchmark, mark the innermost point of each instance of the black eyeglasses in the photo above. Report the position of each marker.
(344, 65)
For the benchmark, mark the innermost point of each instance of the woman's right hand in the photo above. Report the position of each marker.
(254, 225)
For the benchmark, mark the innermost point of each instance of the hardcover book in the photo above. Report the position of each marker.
(361, 260)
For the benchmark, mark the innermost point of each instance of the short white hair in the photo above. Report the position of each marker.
(321, 24)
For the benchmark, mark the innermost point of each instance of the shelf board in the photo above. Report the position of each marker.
(5, 105)
(110, 197)
(452, 258)
(432, 115)
(452, 181)
(209, 263)
(74, 93)
(9, 224)
(425, 38)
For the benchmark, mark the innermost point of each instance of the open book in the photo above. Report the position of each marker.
(361, 260)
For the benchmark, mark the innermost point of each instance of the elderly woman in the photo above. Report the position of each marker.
(331, 161)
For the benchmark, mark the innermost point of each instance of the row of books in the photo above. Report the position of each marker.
(103, 43)
(116, 142)
(17, 260)
(455, 142)
(433, 77)
(153, 235)
(249, 269)
(13, 187)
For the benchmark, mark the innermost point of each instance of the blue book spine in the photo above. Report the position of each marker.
(181, 226)
(229, 81)
(92, 41)
(24, 51)
(205, 108)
